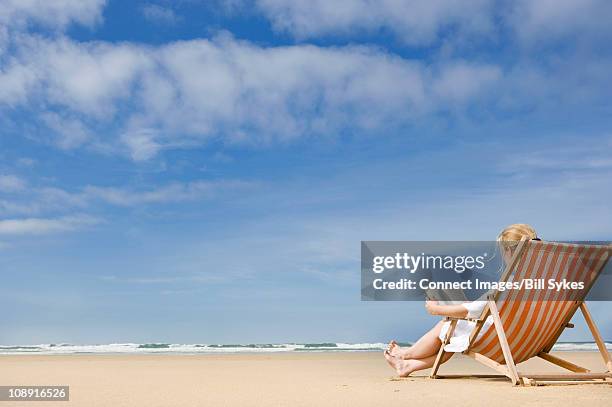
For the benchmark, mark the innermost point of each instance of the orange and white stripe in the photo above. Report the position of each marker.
(533, 319)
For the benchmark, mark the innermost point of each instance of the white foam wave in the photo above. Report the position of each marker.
(136, 348)
(184, 348)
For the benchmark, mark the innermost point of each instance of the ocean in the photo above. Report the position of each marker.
(174, 348)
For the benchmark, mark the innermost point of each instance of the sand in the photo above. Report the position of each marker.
(296, 379)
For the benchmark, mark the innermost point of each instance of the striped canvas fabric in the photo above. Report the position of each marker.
(532, 318)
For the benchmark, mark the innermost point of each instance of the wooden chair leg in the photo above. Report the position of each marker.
(563, 363)
(438, 361)
(503, 369)
(597, 336)
(503, 342)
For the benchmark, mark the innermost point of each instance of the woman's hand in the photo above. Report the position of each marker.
(432, 307)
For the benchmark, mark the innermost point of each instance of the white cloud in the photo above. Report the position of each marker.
(460, 82)
(37, 226)
(11, 183)
(537, 22)
(71, 133)
(175, 192)
(45, 200)
(145, 99)
(16, 81)
(55, 13)
(415, 22)
(18, 207)
(562, 159)
(158, 14)
(141, 144)
(422, 23)
(88, 78)
(139, 100)
(247, 92)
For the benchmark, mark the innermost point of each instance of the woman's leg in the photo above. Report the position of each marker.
(405, 367)
(429, 344)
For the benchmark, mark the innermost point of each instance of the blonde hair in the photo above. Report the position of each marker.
(511, 235)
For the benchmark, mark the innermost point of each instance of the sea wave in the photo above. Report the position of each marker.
(153, 347)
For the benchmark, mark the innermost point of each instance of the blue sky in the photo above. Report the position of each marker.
(204, 171)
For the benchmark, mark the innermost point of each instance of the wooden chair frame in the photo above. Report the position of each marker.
(579, 374)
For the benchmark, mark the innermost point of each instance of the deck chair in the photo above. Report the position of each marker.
(527, 323)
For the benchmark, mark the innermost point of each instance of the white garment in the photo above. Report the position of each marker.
(461, 337)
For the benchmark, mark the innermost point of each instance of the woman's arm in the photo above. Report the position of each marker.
(455, 311)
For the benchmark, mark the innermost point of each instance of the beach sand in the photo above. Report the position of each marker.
(291, 379)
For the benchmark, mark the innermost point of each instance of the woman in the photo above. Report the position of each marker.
(423, 353)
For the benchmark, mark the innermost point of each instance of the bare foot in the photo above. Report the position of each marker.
(402, 367)
(390, 360)
(395, 350)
